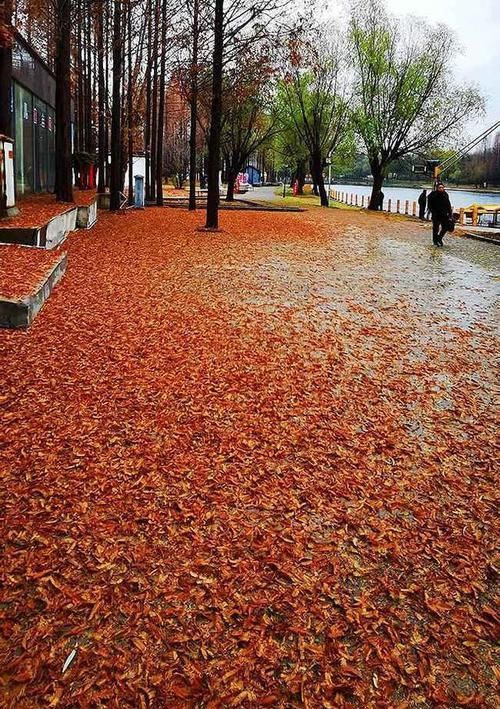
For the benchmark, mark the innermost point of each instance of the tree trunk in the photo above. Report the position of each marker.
(5, 81)
(107, 22)
(161, 108)
(212, 221)
(89, 133)
(147, 129)
(317, 172)
(231, 180)
(194, 110)
(378, 180)
(116, 108)
(80, 123)
(6, 69)
(101, 185)
(154, 104)
(129, 109)
(63, 185)
(301, 176)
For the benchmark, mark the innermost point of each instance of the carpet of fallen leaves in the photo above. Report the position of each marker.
(251, 469)
(35, 210)
(23, 269)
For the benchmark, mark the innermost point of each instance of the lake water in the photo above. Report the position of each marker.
(458, 198)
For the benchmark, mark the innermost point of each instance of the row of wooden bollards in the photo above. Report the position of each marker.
(356, 201)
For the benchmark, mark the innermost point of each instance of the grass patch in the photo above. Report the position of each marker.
(307, 200)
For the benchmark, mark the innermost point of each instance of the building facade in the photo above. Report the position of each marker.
(32, 106)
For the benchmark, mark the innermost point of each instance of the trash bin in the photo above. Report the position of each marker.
(139, 192)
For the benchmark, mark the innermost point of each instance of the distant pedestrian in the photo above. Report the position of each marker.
(380, 203)
(441, 213)
(422, 203)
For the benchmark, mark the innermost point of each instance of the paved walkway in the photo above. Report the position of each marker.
(253, 468)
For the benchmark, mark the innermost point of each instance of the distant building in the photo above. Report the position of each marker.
(32, 106)
(254, 175)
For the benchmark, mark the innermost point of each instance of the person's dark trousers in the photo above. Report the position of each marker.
(438, 230)
(421, 212)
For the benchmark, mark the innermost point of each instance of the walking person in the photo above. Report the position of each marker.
(422, 203)
(380, 203)
(441, 213)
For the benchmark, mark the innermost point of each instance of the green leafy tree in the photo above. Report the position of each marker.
(291, 153)
(315, 100)
(406, 99)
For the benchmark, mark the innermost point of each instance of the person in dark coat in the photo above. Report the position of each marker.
(422, 203)
(380, 203)
(441, 213)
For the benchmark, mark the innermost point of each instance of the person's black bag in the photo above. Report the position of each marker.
(450, 225)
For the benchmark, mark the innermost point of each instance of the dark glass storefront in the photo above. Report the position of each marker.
(33, 120)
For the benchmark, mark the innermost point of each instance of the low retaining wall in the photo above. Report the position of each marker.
(87, 216)
(25, 236)
(59, 226)
(47, 236)
(20, 312)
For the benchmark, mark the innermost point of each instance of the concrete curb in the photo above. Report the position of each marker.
(238, 205)
(20, 312)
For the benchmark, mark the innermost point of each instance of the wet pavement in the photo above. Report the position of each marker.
(460, 281)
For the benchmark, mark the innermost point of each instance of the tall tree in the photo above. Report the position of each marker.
(130, 150)
(315, 99)
(6, 31)
(241, 23)
(5, 79)
(101, 98)
(406, 97)
(116, 109)
(154, 101)
(63, 182)
(161, 108)
(212, 221)
(193, 104)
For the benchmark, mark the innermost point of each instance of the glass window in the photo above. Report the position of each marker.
(51, 145)
(23, 135)
(40, 144)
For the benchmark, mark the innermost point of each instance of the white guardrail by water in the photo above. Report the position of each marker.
(400, 206)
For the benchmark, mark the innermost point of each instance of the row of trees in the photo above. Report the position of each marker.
(252, 76)
(480, 168)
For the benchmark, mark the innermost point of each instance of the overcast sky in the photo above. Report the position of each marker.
(477, 25)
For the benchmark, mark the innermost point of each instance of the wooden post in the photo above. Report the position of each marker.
(461, 218)
(414, 210)
(474, 215)
(356, 199)
(398, 206)
(406, 206)
(389, 205)
(362, 200)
